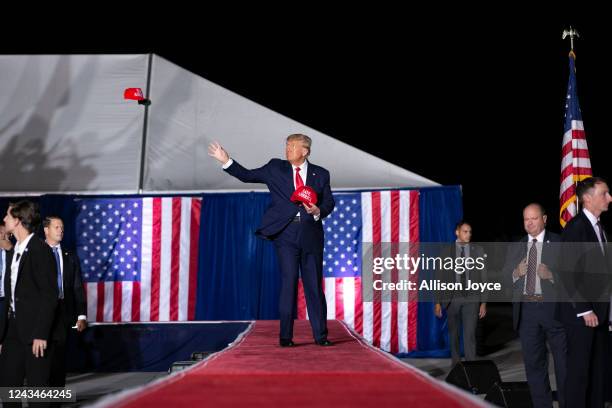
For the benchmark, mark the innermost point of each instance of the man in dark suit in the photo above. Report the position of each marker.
(71, 309)
(462, 308)
(586, 272)
(531, 264)
(296, 230)
(31, 300)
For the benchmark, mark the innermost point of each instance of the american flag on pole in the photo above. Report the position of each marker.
(139, 257)
(575, 159)
(370, 218)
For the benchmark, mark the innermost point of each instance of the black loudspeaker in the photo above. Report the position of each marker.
(510, 394)
(476, 377)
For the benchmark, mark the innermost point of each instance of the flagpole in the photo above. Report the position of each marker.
(571, 33)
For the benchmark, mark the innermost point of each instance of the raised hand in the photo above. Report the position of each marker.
(218, 152)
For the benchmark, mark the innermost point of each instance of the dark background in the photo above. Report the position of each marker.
(476, 99)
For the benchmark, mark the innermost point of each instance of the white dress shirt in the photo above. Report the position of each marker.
(539, 246)
(61, 271)
(20, 248)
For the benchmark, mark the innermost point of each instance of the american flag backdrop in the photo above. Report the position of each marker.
(575, 159)
(139, 257)
(369, 218)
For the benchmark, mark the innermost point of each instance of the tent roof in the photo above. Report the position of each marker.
(65, 128)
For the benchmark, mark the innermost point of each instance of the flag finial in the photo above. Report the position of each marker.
(571, 33)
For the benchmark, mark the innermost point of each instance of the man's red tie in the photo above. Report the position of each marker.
(298, 179)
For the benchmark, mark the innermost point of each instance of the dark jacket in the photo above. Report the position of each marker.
(450, 276)
(550, 257)
(35, 292)
(585, 271)
(278, 176)
(74, 296)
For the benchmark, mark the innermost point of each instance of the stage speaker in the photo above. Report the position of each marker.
(510, 394)
(200, 355)
(476, 377)
(180, 366)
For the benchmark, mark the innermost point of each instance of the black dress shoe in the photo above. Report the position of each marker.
(324, 342)
(286, 343)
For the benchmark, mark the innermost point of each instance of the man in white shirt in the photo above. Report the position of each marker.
(531, 263)
(30, 288)
(295, 229)
(586, 271)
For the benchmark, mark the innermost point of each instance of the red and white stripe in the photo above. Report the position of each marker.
(388, 217)
(575, 166)
(169, 262)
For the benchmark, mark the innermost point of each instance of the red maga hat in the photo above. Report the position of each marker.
(304, 194)
(134, 94)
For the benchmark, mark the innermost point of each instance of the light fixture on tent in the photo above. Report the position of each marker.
(135, 94)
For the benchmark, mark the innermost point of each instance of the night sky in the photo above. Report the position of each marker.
(473, 101)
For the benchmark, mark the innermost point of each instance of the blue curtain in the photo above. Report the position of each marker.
(440, 209)
(238, 275)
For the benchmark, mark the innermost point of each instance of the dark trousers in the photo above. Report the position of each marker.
(462, 312)
(57, 376)
(58, 358)
(586, 357)
(293, 260)
(536, 327)
(17, 362)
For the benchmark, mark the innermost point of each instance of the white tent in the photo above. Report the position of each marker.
(65, 127)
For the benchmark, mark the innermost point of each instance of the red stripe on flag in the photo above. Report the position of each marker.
(100, 308)
(135, 301)
(339, 298)
(358, 307)
(175, 258)
(578, 134)
(196, 205)
(413, 303)
(117, 300)
(581, 153)
(566, 172)
(566, 148)
(395, 237)
(301, 301)
(566, 215)
(568, 193)
(155, 259)
(376, 238)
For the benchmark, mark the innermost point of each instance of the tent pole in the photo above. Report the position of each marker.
(143, 148)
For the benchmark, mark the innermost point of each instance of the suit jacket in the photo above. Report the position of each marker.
(549, 257)
(278, 176)
(585, 272)
(74, 296)
(448, 276)
(35, 292)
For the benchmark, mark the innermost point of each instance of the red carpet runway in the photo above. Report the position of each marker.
(256, 372)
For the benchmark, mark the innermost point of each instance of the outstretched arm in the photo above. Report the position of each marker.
(234, 168)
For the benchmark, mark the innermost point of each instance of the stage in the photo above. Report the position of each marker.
(254, 370)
